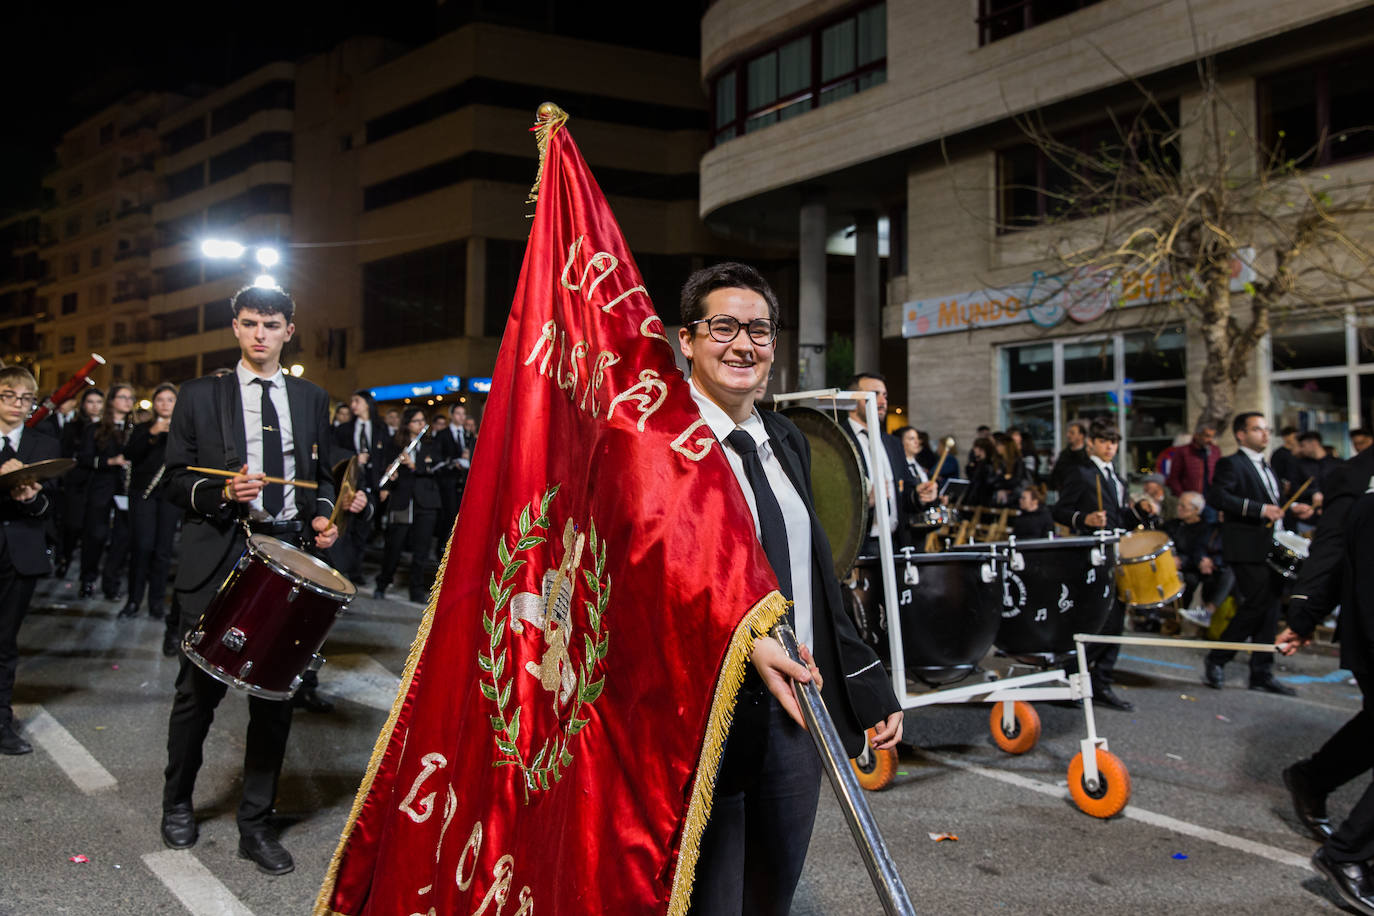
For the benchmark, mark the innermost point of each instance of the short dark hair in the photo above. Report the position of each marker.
(366, 395)
(1361, 431)
(1310, 436)
(860, 376)
(1104, 428)
(983, 429)
(1081, 424)
(1238, 424)
(165, 386)
(1204, 424)
(729, 275)
(901, 431)
(1288, 431)
(264, 301)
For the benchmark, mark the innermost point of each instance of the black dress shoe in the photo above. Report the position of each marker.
(129, 610)
(155, 611)
(1271, 684)
(1308, 804)
(10, 742)
(269, 855)
(379, 592)
(307, 698)
(1350, 879)
(170, 643)
(179, 829)
(1104, 695)
(87, 590)
(1213, 675)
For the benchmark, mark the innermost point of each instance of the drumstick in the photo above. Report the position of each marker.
(945, 445)
(1098, 481)
(216, 472)
(1291, 499)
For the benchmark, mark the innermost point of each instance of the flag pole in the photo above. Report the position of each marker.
(872, 847)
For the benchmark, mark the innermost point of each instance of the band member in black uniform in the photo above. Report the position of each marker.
(916, 491)
(367, 437)
(1337, 572)
(73, 484)
(766, 793)
(23, 554)
(102, 451)
(1078, 510)
(152, 516)
(412, 506)
(882, 479)
(456, 446)
(260, 422)
(1246, 490)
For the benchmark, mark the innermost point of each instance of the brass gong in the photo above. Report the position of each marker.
(837, 483)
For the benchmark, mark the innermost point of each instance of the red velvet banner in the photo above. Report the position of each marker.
(562, 714)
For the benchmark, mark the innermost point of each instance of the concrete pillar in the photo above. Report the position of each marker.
(867, 316)
(476, 284)
(811, 293)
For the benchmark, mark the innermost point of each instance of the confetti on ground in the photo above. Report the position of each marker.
(1173, 756)
(1184, 696)
(114, 667)
(902, 773)
(101, 728)
(1179, 855)
(79, 859)
(941, 837)
(1222, 718)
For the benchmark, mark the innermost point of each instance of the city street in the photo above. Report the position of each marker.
(1208, 829)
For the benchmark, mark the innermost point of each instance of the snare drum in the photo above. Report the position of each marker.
(1147, 578)
(1288, 552)
(268, 620)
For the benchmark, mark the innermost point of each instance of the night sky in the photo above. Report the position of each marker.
(65, 61)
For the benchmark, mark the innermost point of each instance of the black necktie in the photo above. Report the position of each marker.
(273, 464)
(773, 531)
(1270, 484)
(8, 451)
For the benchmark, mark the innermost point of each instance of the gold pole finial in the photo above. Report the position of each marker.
(547, 120)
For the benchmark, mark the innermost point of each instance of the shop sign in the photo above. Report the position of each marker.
(446, 385)
(479, 385)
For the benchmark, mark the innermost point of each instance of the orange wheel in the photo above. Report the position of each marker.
(1113, 790)
(875, 769)
(1025, 729)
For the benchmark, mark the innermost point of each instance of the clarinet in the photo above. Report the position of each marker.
(410, 449)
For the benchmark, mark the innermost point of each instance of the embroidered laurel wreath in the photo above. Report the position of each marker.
(546, 766)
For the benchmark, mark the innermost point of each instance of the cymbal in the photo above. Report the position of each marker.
(39, 470)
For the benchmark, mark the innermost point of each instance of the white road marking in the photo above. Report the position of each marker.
(193, 884)
(1163, 821)
(360, 679)
(77, 762)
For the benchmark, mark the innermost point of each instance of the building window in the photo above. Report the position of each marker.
(1036, 184)
(1318, 114)
(106, 133)
(998, 19)
(416, 297)
(1322, 376)
(71, 264)
(66, 344)
(120, 334)
(502, 274)
(265, 198)
(69, 303)
(265, 147)
(1136, 377)
(831, 61)
(217, 315)
(99, 293)
(73, 226)
(278, 94)
(95, 257)
(181, 323)
(95, 335)
(183, 137)
(180, 276)
(191, 178)
(102, 217)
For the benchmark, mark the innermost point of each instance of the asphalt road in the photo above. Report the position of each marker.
(1208, 827)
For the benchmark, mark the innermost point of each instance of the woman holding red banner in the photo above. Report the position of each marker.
(768, 786)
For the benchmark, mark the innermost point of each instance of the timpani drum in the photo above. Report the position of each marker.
(267, 622)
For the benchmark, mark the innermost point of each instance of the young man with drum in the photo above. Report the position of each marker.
(1247, 491)
(255, 422)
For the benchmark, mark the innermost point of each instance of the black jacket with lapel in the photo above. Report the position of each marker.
(857, 691)
(1078, 499)
(1240, 495)
(21, 524)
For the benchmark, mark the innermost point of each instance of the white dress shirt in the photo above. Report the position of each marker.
(889, 479)
(794, 512)
(14, 436)
(1271, 484)
(1122, 499)
(363, 443)
(250, 393)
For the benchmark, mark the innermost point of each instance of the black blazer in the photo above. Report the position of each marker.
(857, 691)
(106, 480)
(418, 485)
(207, 431)
(1238, 492)
(21, 524)
(148, 454)
(345, 438)
(895, 457)
(1078, 499)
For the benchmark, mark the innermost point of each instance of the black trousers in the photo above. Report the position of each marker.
(15, 592)
(153, 528)
(450, 495)
(1346, 755)
(104, 524)
(1102, 656)
(762, 813)
(193, 711)
(419, 537)
(1257, 616)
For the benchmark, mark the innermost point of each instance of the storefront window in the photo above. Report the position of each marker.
(1323, 377)
(1310, 346)
(1028, 368)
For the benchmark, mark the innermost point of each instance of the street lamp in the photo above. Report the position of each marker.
(266, 256)
(297, 370)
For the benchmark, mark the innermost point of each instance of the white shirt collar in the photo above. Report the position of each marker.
(1253, 455)
(721, 424)
(246, 376)
(14, 435)
(1101, 465)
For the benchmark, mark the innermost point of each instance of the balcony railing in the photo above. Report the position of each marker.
(130, 211)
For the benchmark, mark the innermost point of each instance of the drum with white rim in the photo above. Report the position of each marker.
(1288, 552)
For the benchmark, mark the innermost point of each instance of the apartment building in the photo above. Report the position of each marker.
(21, 269)
(831, 116)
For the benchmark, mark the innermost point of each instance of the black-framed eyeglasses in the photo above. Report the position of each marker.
(725, 328)
(13, 397)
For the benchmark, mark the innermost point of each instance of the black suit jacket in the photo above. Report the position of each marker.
(418, 486)
(21, 524)
(1078, 500)
(345, 438)
(856, 691)
(207, 431)
(1238, 492)
(895, 457)
(1323, 581)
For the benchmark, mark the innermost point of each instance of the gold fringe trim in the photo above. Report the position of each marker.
(383, 739)
(758, 622)
(547, 120)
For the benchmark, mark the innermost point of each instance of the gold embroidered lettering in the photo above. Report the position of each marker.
(500, 887)
(644, 325)
(604, 360)
(526, 902)
(473, 847)
(598, 259)
(618, 299)
(572, 253)
(546, 337)
(569, 381)
(650, 383)
(704, 442)
(432, 764)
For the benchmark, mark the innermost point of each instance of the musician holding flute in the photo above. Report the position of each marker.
(264, 429)
(767, 789)
(410, 494)
(153, 516)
